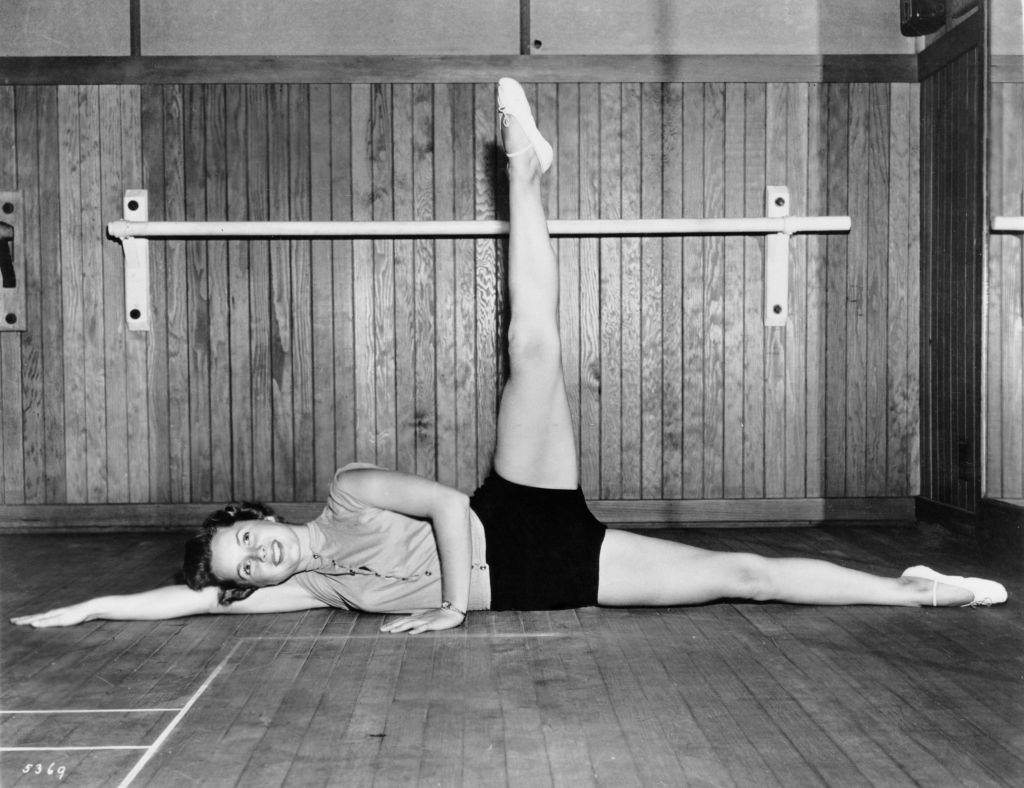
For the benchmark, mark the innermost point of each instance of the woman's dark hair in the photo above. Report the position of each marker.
(196, 568)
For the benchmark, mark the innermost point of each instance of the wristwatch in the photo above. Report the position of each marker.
(446, 605)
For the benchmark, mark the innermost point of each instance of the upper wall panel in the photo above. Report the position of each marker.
(35, 28)
(726, 27)
(330, 27)
(56, 28)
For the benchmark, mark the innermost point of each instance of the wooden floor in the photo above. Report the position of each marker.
(724, 694)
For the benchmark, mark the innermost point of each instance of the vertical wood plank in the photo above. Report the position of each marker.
(672, 289)
(238, 275)
(156, 359)
(914, 352)
(71, 290)
(90, 172)
(321, 295)
(136, 343)
(197, 297)
(837, 249)
(777, 131)
(611, 293)
(567, 179)
(631, 349)
(714, 292)
(857, 293)
(486, 267)
(652, 309)
(927, 173)
(282, 355)
(877, 291)
(755, 147)
(444, 317)
(51, 331)
(20, 134)
(796, 326)
(591, 372)
(261, 356)
(404, 275)
(303, 427)
(733, 295)
(896, 321)
(693, 293)
(12, 430)
(817, 288)
(114, 361)
(221, 470)
(344, 405)
(1011, 295)
(993, 338)
(425, 330)
(383, 284)
(463, 187)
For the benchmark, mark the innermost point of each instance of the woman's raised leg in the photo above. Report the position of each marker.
(640, 570)
(536, 442)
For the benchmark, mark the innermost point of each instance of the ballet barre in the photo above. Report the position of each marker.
(134, 231)
(1008, 224)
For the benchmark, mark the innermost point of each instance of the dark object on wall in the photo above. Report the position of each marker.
(919, 17)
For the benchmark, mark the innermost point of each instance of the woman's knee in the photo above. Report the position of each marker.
(534, 345)
(749, 576)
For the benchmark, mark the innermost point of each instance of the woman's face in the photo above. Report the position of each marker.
(255, 552)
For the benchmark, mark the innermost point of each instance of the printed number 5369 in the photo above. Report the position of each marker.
(38, 768)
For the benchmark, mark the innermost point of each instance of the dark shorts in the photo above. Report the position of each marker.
(543, 546)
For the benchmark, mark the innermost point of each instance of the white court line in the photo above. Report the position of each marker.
(155, 746)
(63, 749)
(88, 711)
(421, 636)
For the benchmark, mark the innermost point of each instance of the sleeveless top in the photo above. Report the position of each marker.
(380, 561)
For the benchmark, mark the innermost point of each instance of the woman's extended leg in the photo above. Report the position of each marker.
(641, 570)
(536, 442)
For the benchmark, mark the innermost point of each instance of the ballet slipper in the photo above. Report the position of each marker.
(986, 592)
(512, 103)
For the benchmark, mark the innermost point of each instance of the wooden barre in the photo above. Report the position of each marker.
(787, 225)
(134, 231)
(1008, 224)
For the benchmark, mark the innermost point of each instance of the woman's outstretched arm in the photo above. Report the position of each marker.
(172, 602)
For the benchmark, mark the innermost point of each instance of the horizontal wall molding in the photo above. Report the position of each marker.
(42, 518)
(448, 69)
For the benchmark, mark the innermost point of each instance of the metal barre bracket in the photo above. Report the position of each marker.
(12, 284)
(134, 231)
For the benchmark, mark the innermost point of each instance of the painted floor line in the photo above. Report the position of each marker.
(89, 711)
(68, 749)
(158, 743)
(421, 636)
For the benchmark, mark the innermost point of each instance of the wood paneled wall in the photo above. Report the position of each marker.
(1005, 361)
(952, 264)
(270, 363)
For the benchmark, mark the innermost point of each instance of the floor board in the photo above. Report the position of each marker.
(728, 694)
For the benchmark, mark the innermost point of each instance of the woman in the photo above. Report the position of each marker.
(390, 542)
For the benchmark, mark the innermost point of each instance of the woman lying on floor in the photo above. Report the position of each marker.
(389, 542)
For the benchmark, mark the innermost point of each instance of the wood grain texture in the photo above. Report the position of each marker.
(953, 213)
(1005, 372)
(731, 693)
(271, 363)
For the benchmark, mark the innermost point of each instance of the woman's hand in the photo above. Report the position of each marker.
(429, 620)
(58, 617)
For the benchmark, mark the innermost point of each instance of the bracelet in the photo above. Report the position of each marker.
(446, 605)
